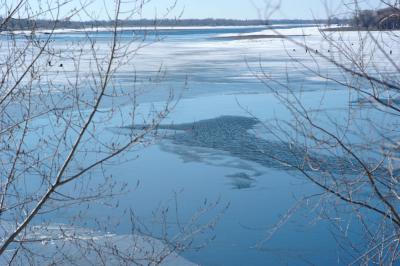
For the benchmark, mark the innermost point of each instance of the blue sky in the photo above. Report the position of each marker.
(236, 9)
(247, 9)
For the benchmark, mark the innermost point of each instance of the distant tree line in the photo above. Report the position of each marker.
(385, 19)
(23, 24)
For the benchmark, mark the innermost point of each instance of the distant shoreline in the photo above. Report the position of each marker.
(155, 28)
(121, 29)
(26, 24)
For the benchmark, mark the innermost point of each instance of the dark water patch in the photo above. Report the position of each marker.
(241, 181)
(232, 135)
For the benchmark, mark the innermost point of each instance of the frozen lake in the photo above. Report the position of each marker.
(210, 148)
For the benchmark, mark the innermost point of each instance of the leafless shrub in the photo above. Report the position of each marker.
(57, 104)
(349, 151)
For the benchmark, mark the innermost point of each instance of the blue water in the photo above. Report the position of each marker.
(211, 168)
